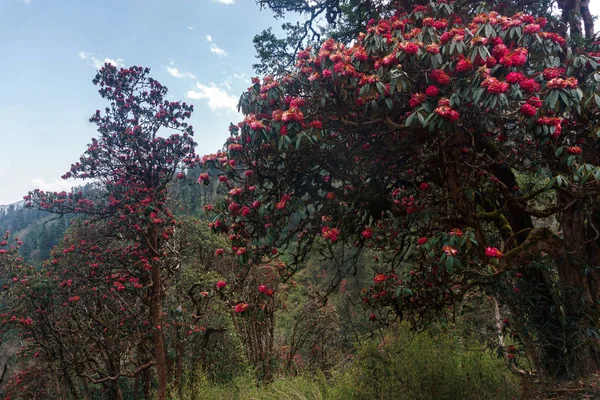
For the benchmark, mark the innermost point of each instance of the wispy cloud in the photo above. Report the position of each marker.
(217, 50)
(178, 74)
(98, 62)
(191, 28)
(224, 1)
(214, 48)
(218, 98)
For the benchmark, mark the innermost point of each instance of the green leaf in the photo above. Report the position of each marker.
(551, 99)
(559, 151)
(410, 119)
(449, 264)
(299, 140)
(428, 120)
(389, 103)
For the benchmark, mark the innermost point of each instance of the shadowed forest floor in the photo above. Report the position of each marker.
(588, 388)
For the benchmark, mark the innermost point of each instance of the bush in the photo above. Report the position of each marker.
(244, 388)
(424, 366)
(432, 365)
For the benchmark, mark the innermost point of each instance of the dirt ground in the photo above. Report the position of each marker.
(588, 388)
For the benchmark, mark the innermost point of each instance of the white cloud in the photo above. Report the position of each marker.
(214, 48)
(224, 1)
(54, 185)
(98, 62)
(217, 50)
(191, 28)
(178, 74)
(26, 1)
(217, 97)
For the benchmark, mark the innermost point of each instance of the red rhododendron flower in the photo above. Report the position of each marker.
(551, 73)
(450, 251)
(422, 240)
(240, 308)
(221, 284)
(432, 48)
(330, 233)
(447, 113)
(532, 28)
(440, 77)
(432, 91)
(529, 85)
(574, 150)
(495, 86)
(493, 252)
(464, 65)
(380, 278)
(456, 232)
(514, 77)
(528, 110)
(416, 100)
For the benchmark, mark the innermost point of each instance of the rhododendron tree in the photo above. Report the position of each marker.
(143, 143)
(445, 144)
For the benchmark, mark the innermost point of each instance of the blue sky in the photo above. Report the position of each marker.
(200, 49)
(49, 49)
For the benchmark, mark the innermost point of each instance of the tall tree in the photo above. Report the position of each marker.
(132, 162)
(449, 147)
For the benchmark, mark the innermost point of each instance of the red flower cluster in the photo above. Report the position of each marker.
(330, 233)
(528, 110)
(560, 83)
(440, 77)
(493, 252)
(416, 100)
(464, 65)
(266, 291)
(445, 111)
(432, 91)
(574, 150)
(240, 308)
(495, 86)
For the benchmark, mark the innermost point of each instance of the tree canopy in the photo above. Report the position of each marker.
(443, 143)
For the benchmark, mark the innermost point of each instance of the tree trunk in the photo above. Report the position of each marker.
(159, 346)
(579, 287)
(86, 389)
(179, 365)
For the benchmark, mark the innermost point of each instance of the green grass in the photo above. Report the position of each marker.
(406, 367)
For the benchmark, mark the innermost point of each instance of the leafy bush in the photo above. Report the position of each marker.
(424, 366)
(244, 388)
(430, 365)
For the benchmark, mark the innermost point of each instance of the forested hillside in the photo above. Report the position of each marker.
(409, 209)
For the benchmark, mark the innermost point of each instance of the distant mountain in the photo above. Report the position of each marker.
(17, 205)
(38, 230)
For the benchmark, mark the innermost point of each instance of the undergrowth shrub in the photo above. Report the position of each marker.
(425, 366)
